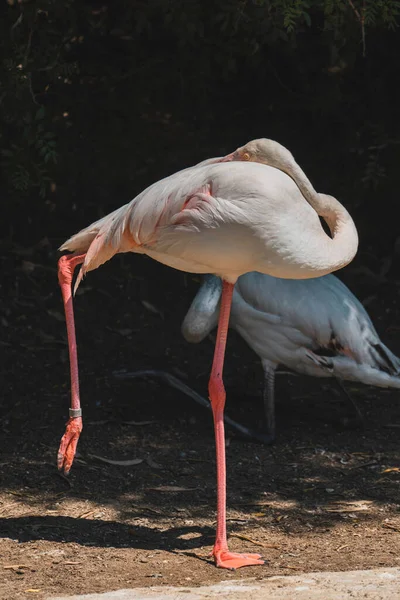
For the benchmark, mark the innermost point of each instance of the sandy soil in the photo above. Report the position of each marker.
(326, 496)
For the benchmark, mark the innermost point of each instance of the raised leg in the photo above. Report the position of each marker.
(269, 398)
(223, 558)
(69, 441)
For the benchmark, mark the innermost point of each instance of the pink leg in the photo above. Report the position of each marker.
(69, 441)
(223, 558)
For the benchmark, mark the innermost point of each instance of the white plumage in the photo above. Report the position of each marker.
(314, 326)
(226, 218)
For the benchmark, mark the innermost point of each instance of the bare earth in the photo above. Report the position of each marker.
(325, 497)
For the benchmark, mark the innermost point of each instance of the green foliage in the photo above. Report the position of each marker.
(381, 11)
(33, 40)
(294, 12)
(55, 52)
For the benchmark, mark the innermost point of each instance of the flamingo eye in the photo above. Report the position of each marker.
(245, 156)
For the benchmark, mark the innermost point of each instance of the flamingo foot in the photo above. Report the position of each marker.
(233, 560)
(69, 442)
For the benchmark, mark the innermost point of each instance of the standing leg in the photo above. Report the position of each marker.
(69, 441)
(353, 402)
(223, 558)
(269, 397)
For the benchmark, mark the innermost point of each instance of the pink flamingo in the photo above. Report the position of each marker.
(226, 219)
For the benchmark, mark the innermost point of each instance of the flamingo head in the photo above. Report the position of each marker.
(264, 151)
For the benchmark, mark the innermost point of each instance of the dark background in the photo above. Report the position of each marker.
(100, 99)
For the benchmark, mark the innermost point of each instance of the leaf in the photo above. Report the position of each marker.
(152, 463)
(121, 463)
(86, 514)
(150, 307)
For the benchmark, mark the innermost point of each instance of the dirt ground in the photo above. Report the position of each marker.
(325, 496)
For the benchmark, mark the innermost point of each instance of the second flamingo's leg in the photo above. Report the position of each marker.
(69, 441)
(223, 558)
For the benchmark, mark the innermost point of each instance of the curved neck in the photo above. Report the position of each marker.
(303, 183)
(344, 242)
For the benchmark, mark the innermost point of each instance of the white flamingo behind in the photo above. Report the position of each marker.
(226, 219)
(312, 326)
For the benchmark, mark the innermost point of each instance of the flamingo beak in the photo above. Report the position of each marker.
(228, 157)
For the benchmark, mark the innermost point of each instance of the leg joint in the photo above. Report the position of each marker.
(66, 267)
(216, 389)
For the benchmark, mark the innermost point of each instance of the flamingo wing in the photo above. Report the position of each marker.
(321, 315)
